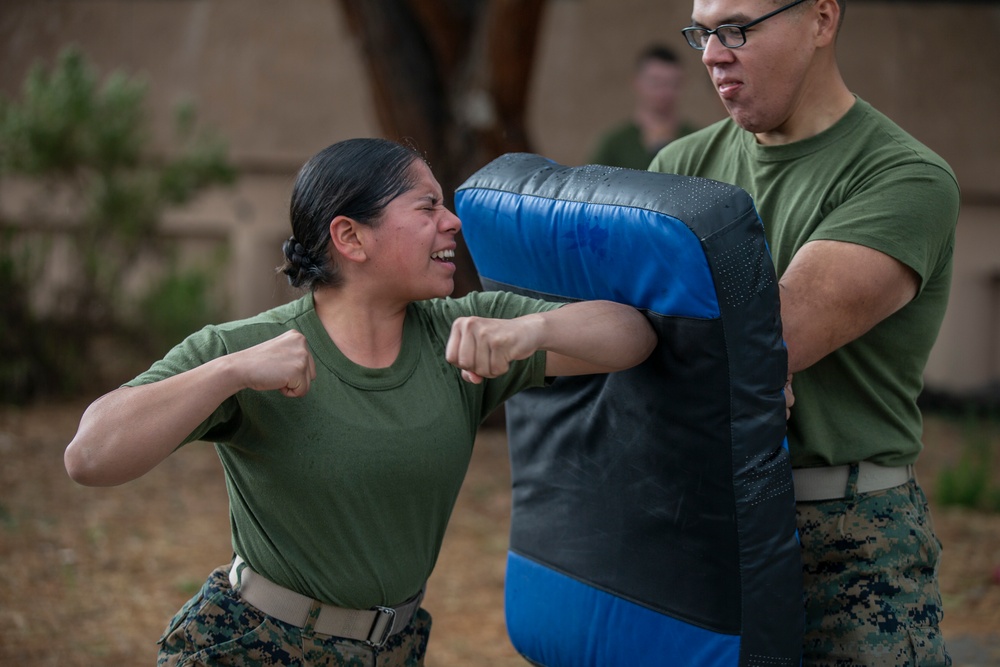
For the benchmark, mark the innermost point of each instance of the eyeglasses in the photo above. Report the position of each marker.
(730, 35)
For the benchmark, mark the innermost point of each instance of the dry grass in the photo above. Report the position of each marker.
(91, 576)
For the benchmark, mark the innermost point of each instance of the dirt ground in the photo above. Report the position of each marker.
(91, 576)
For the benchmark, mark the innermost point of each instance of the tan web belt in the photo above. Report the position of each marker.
(373, 626)
(830, 482)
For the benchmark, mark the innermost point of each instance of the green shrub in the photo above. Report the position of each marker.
(969, 482)
(68, 132)
(177, 305)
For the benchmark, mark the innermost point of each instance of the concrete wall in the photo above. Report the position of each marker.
(283, 79)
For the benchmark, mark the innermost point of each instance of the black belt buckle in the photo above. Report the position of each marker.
(390, 616)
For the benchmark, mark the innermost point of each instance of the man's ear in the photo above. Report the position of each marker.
(828, 12)
(346, 240)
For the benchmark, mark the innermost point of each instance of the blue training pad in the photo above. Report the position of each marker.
(652, 510)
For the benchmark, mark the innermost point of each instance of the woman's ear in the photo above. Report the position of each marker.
(345, 239)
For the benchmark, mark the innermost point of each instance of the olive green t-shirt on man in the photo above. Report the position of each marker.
(344, 494)
(865, 181)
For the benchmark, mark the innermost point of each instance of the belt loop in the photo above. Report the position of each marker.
(851, 492)
(309, 628)
(236, 571)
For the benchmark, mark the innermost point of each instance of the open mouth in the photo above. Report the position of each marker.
(443, 255)
(727, 88)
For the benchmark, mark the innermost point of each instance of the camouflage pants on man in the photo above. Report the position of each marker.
(870, 573)
(217, 628)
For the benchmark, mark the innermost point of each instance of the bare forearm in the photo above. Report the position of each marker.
(127, 432)
(595, 336)
(578, 338)
(833, 293)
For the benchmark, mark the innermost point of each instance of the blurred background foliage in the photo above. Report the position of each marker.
(969, 482)
(76, 138)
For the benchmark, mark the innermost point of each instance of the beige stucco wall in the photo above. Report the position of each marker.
(967, 353)
(283, 79)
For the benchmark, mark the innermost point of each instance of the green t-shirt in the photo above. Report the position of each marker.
(344, 494)
(862, 181)
(622, 146)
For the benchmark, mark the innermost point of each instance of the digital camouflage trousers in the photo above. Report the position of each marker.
(870, 573)
(217, 628)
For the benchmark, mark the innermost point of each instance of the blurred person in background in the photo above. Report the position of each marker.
(656, 84)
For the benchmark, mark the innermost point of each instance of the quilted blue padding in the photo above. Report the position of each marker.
(587, 250)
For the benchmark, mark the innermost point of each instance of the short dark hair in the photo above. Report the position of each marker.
(841, 3)
(356, 178)
(659, 52)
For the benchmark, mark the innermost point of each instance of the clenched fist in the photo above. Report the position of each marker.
(284, 363)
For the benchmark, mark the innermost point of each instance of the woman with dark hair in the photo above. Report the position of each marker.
(345, 419)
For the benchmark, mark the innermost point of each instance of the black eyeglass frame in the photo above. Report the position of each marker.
(691, 30)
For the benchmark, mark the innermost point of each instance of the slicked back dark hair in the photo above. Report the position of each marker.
(356, 178)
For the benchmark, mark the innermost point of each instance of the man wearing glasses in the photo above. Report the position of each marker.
(860, 220)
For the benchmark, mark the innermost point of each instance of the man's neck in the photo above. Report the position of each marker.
(819, 109)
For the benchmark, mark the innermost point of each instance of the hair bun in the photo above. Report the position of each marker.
(296, 254)
(299, 264)
(301, 256)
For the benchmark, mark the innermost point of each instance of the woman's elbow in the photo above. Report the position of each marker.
(80, 465)
(91, 455)
(650, 339)
(76, 464)
(95, 462)
(643, 338)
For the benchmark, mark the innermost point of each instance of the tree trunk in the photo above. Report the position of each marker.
(452, 78)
